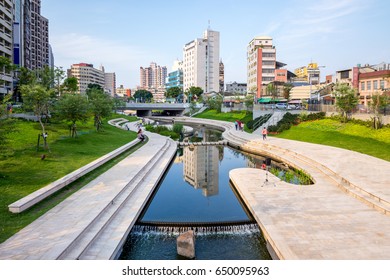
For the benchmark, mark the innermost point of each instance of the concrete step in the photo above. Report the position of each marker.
(88, 234)
(109, 241)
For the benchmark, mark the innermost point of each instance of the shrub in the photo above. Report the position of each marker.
(178, 128)
(272, 128)
(284, 126)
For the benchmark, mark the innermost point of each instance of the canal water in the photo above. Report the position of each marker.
(195, 193)
(196, 190)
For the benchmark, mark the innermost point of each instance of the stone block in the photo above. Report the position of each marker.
(186, 244)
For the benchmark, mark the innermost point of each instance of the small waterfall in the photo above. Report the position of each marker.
(239, 229)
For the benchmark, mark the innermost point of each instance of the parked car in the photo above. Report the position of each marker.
(292, 107)
(281, 106)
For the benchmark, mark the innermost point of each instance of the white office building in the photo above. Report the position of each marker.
(201, 62)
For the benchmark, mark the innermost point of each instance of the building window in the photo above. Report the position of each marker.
(382, 84)
(376, 84)
(344, 75)
(368, 85)
(362, 86)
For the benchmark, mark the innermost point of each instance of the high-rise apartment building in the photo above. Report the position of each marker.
(261, 64)
(86, 74)
(201, 62)
(6, 40)
(153, 77)
(22, 33)
(110, 83)
(39, 29)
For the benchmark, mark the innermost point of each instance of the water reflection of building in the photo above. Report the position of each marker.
(255, 161)
(201, 168)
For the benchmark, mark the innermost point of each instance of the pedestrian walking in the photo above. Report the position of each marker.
(264, 132)
(236, 124)
(239, 125)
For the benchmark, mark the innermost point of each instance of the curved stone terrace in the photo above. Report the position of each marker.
(343, 215)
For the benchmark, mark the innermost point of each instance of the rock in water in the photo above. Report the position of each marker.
(186, 244)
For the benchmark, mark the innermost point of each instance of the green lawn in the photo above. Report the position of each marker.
(242, 116)
(343, 135)
(25, 172)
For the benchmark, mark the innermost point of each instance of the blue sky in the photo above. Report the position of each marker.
(123, 35)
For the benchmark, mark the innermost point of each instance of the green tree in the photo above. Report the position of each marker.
(94, 87)
(286, 90)
(6, 66)
(70, 85)
(248, 101)
(272, 91)
(143, 95)
(379, 102)
(73, 108)
(7, 125)
(101, 106)
(215, 103)
(38, 99)
(173, 92)
(118, 102)
(45, 77)
(194, 93)
(346, 100)
(59, 76)
(26, 77)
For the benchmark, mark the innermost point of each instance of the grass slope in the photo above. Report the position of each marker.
(25, 172)
(242, 116)
(343, 135)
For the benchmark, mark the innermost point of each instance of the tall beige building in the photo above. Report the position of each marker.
(153, 77)
(201, 62)
(261, 64)
(86, 74)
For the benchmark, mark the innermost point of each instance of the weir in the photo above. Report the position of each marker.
(245, 228)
